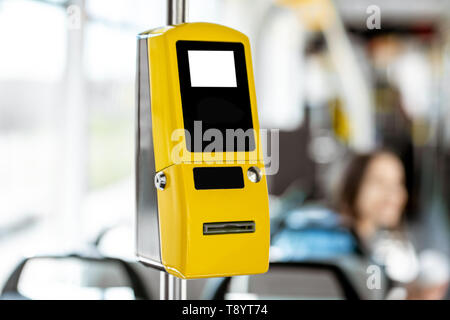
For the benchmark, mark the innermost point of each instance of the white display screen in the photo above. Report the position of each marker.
(212, 68)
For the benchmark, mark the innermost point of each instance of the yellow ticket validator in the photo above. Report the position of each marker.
(201, 191)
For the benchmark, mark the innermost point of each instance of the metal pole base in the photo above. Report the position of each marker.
(171, 288)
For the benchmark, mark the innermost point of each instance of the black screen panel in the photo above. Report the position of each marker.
(218, 108)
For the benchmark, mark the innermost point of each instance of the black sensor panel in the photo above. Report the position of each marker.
(207, 178)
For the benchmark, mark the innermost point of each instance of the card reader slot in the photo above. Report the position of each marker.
(228, 227)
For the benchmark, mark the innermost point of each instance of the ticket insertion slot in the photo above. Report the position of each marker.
(228, 227)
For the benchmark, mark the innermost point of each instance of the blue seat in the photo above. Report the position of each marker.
(311, 233)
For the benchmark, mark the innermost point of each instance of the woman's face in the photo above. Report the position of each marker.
(382, 196)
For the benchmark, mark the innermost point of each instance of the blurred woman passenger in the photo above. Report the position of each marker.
(372, 197)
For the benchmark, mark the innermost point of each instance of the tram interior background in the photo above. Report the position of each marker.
(332, 86)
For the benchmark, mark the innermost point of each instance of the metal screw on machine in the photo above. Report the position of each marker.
(254, 174)
(160, 180)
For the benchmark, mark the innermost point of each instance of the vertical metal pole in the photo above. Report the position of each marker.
(163, 285)
(177, 11)
(173, 288)
(179, 289)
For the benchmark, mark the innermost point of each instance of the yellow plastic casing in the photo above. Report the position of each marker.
(185, 251)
